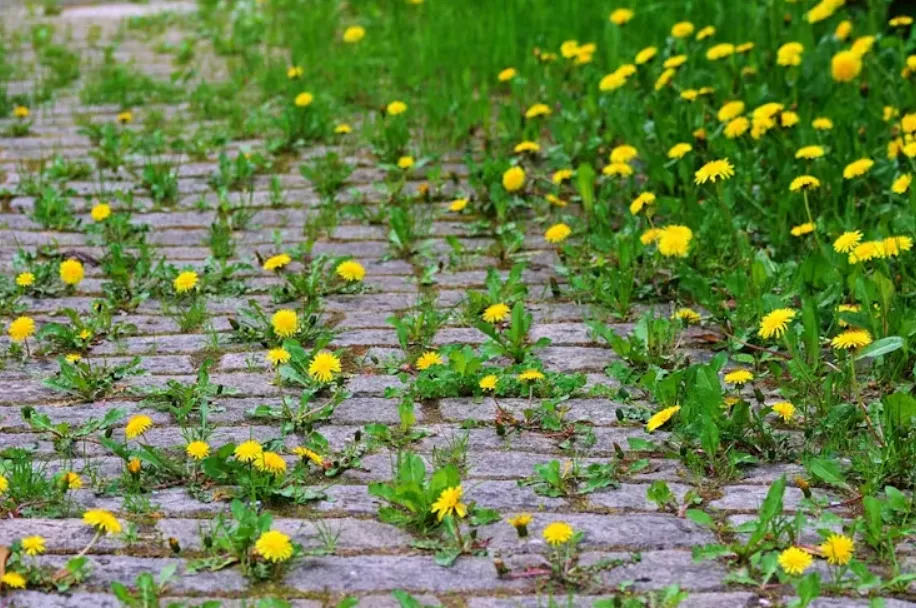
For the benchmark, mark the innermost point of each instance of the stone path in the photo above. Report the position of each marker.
(371, 558)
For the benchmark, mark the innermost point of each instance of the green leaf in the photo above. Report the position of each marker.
(880, 347)
(827, 471)
(700, 517)
(585, 182)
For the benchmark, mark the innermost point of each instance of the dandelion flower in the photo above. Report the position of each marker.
(621, 16)
(843, 29)
(847, 241)
(72, 480)
(270, 462)
(784, 409)
(857, 168)
(803, 229)
(538, 109)
(248, 451)
(527, 146)
(102, 521)
(645, 198)
(682, 29)
(496, 313)
(713, 170)
(558, 533)
(650, 236)
(21, 328)
(561, 176)
(623, 154)
(530, 375)
(4, 485)
(621, 169)
(737, 127)
(902, 184)
(520, 522)
(851, 339)
(303, 452)
(354, 34)
(488, 383)
(100, 212)
(186, 281)
(775, 323)
(343, 128)
(730, 110)
(688, 315)
(285, 323)
(277, 262)
(405, 162)
(33, 545)
(514, 179)
(198, 450)
(789, 54)
(323, 366)
(845, 66)
(822, 124)
(21, 112)
(804, 182)
(13, 580)
(794, 560)
(395, 108)
(660, 418)
(25, 279)
(450, 502)
(557, 233)
(720, 51)
(674, 241)
(739, 377)
(507, 75)
(351, 271)
(429, 359)
(137, 426)
(278, 356)
(645, 55)
(71, 271)
(810, 152)
(677, 151)
(838, 549)
(274, 546)
(303, 100)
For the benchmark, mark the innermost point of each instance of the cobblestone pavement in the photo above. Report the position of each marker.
(371, 558)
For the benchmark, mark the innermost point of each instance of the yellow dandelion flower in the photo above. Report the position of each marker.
(810, 152)
(13, 580)
(507, 75)
(682, 29)
(713, 170)
(405, 162)
(558, 533)
(351, 271)
(274, 546)
(803, 229)
(449, 502)
(488, 383)
(688, 315)
(527, 146)
(623, 154)
(720, 51)
(775, 323)
(21, 328)
(102, 521)
(530, 375)
(677, 151)
(621, 169)
(514, 179)
(71, 271)
(303, 452)
(838, 549)
(646, 55)
(730, 111)
(843, 29)
(847, 241)
(198, 450)
(621, 16)
(496, 313)
(343, 128)
(737, 127)
(851, 339)
(21, 112)
(270, 462)
(795, 560)
(902, 184)
(857, 168)
(395, 108)
(845, 66)
(186, 281)
(645, 198)
(25, 279)
(538, 109)
(739, 376)
(784, 409)
(660, 418)
(323, 366)
(674, 241)
(804, 182)
(561, 176)
(72, 481)
(285, 323)
(137, 426)
(101, 212)
(277, 262)
(429, 359)
(33, 545)
(304, 100)
(248, 451)
(278, 356)
(557, 233)
(822, 124)
(650, 236)
(354, 34)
